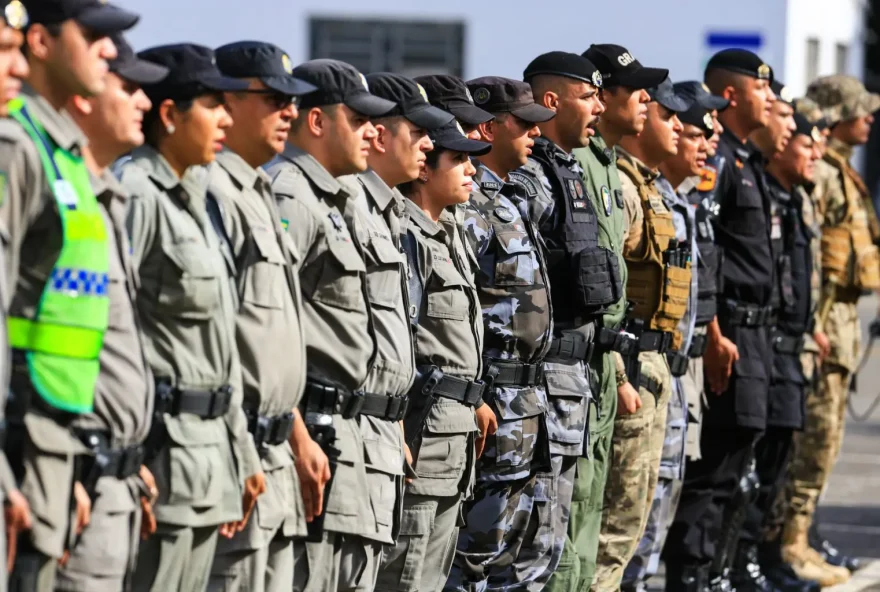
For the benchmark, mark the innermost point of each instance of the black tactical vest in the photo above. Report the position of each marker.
(790, 240)
(710, 257)
(584, 277)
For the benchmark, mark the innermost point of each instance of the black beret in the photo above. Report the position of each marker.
(338, 82)
(781, 91)
(450, 93)
(505, 95)
(410, 99)
(805, 127)
(699, 116)
(741, 61)
(562, 63)
(269, 63)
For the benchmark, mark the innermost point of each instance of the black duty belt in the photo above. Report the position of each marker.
(207, 404)
(269, 430)
(658, 341)
(571, 346)
(120, 463)
(698, 346)
(787, 344)
(608, 340)
(650, 385)
(2, 433)
(468, 392)
(512, 373)
(678, 364)
(331, 400)
(748, 315)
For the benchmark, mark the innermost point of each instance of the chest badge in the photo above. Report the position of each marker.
(504, 214)
(606, 199)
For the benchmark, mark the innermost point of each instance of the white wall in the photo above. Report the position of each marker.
(501, 37)
(832, 22)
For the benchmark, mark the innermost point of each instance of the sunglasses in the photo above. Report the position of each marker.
(273, 97)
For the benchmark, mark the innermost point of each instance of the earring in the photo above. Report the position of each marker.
(170, 129)
(423, 178)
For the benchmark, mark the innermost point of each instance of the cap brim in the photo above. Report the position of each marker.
(534, 113)
(466, 145)
(288, 85)
(641, 78)
(140, 71)
(223, 83)
(429, 117)
(470, 114)
(675, 103)
(107, 19)
(871, 102)
(369, 105)
(714, 103)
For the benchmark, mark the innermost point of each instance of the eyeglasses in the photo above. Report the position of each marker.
(273, 97)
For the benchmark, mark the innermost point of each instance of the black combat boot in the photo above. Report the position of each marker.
(779, 573)
(830, 553)
(688, 577)
(747, 575)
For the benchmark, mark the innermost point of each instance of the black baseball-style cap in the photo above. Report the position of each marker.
(620, 68)
(128, 66)
(95, 15)
(269, 63)
(409, 98)
(505, 95)
(563, 63)
(452, 137)
(665, 94)
(450, 93)
(699, 92)
(339, 83)
(782, 92)
(740, 61)
(192, 71)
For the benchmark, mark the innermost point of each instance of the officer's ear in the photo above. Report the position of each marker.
(550, 100)
(317, 120)
(39, 41)
(383, 134)
(81, 105)
(168, 114)
(487, 130)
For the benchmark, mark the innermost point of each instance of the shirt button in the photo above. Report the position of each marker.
(412, 310)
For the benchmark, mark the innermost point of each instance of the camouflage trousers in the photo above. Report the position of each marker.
(513, 536)
(578, 562)
(646, 559)
(636, 449)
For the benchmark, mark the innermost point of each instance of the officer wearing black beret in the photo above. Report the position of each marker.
(451, 93)
(703, 529)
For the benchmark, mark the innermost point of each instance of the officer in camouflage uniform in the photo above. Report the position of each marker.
(849, 266)
(105, 554)
(506, 541)
(584, 275)
(677, 178)
(268, 328)
(448, 327)
(658, 286)
(317, 210)
(40, 446)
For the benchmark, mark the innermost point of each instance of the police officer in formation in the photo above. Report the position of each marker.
(297, 328)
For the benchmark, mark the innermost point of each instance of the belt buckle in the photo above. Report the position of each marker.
(356, 401)
(396, 409)
(475, 391)
(220, 398)
(751, 316)
(165, 397)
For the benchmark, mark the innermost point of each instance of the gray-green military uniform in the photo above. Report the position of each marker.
(316, 210)
(40, 449)
(104, 556)
(271, 347)
(377, 210)
(448, 327)
(186, 303)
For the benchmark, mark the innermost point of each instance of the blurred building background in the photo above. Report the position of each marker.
(801, 39)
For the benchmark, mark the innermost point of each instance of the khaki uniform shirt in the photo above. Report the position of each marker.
(317, 211)
(187, 307)
(33, 238)
(450, 337)
(270, 339)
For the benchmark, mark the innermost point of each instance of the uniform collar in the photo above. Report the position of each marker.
(842, 150)
(742, 150)
(58, 124)
(107, 184)
(315, 171)
(418, 216)
(553, 150)
(489, 183)
(600, 148)
(241, 172)
(647, 173)
(383, 195)
(194, 181)
(688, 185)
(777, 190)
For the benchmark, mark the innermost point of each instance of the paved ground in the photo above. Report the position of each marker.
(850, 510)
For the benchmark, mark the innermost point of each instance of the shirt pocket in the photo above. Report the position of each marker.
(383, 272)
(341, 276)
(264, 286)
(117, 292)
(516, 440)
(190, 286)
(198, 467)
(515, 261)
(749, 217)
(447, 298)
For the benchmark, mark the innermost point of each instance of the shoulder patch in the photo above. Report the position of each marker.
(708, 178)
(526, 182)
